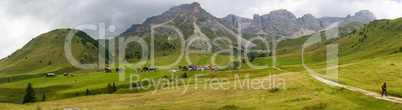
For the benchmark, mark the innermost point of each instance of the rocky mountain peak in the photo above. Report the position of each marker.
(282, 13)
(195, 6)
(364, 13)
(277, 23)
(363, 16)
(190, 11)
(233, 20)
(307, 16)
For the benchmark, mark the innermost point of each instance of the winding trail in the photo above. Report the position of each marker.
(362, 91)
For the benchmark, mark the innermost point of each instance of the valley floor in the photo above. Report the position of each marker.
(301, 92)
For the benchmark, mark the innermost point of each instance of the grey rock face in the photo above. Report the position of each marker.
(284, 23)
(232, 21)
(191, 12)
(276, 23)
(131, 29)
(310, 22)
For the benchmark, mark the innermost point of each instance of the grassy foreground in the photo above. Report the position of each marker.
(301, 92)
(370, 74)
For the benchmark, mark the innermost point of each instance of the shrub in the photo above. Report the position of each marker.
(114, 87)
(264, 55)
(252, 58)
(315, 106)
(109, 89)
(274, 89)
(229, 107)
(88, 93)
(298, 99)
(38, 108)
(43, 97)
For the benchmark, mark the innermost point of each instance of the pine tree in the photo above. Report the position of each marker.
(87, 93)
(109, 89)
(8, 80)
(252, 58)
(29, 95)
(44, 97)
(185, 75)
(114, 87)
(50, 63)
(400, 49)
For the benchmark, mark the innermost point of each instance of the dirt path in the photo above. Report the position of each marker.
(362, 91)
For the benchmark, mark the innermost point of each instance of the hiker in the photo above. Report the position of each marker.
(384, 89)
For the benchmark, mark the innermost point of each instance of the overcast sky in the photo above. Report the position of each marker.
(22, 20)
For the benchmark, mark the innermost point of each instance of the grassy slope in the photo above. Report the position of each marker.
(365, 64)
(370, 74)
(35, 56)
(301, 92)
(66, 87)
(369, 63)
(378, 38)
(33, 59)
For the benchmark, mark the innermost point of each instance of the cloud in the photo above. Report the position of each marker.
(22, 20)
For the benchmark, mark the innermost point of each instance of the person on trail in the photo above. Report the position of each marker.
(384, 89)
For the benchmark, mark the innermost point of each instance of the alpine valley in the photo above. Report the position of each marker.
(190, 52)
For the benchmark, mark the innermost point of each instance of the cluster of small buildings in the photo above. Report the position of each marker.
(51, 75)
(109, 70)
(194, 67)
(146, 69)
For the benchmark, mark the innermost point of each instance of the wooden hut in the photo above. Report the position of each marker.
(138, 69)
(107, 70)
(48, 75)
(145, 69)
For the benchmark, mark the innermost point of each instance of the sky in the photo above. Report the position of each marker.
(22, 20)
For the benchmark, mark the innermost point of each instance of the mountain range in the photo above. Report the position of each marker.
(277, 23)
(45, 53)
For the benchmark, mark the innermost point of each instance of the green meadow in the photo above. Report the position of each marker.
(365, 61)
(301, 92)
